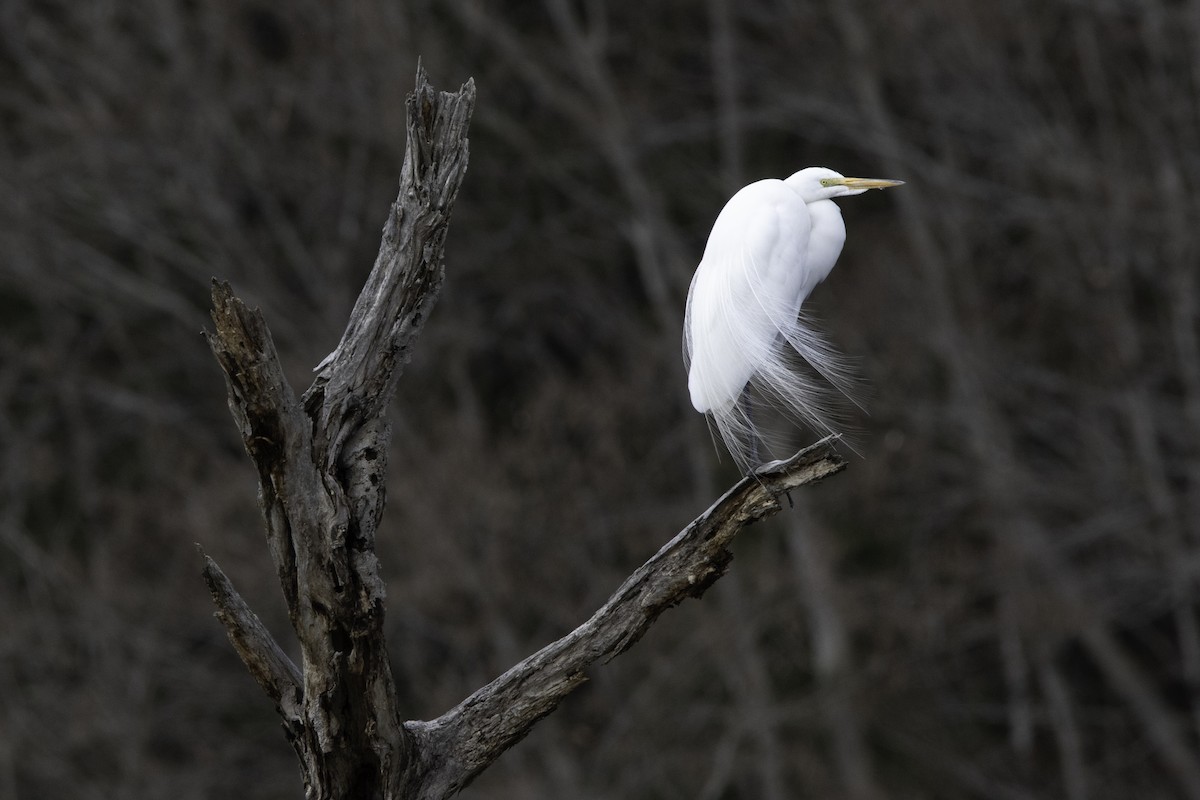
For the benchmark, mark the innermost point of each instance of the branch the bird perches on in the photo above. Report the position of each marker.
(322, 463)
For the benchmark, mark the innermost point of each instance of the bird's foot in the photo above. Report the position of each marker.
(764, 468)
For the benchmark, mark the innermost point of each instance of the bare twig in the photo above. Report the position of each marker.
(270, 666)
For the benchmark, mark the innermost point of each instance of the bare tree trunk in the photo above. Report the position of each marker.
(1065, 726)
(748, 680)
(808, 548)
(322, 466)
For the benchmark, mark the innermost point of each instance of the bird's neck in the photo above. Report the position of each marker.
(826, 239)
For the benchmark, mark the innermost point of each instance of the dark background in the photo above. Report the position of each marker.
(997, 600)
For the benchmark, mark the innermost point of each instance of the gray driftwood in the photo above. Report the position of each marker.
(321, 462)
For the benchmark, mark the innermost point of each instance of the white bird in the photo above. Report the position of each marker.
(774, 241)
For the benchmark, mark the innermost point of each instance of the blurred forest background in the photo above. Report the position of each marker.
(997, 600)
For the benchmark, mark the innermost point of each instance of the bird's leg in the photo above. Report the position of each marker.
(757, 445)
(755, 455)
(755, 441)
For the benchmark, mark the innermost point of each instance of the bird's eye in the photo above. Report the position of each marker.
(828, 182)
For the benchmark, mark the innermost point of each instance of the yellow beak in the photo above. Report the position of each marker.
(868, 183)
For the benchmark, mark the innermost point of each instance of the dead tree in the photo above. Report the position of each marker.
(322, 461)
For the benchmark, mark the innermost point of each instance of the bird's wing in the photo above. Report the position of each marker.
(750, 283)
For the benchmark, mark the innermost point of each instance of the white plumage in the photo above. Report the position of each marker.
(771, 245)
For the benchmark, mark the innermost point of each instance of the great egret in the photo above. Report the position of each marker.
(774, 241)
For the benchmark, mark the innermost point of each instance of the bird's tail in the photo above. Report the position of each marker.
(803, 379)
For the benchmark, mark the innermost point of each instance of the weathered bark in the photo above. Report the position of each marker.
(473, 734)
(322, 466)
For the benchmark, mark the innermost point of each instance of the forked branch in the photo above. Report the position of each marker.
(322, 466)
(322, 462)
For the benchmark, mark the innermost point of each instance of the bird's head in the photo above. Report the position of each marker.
(821, 183)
